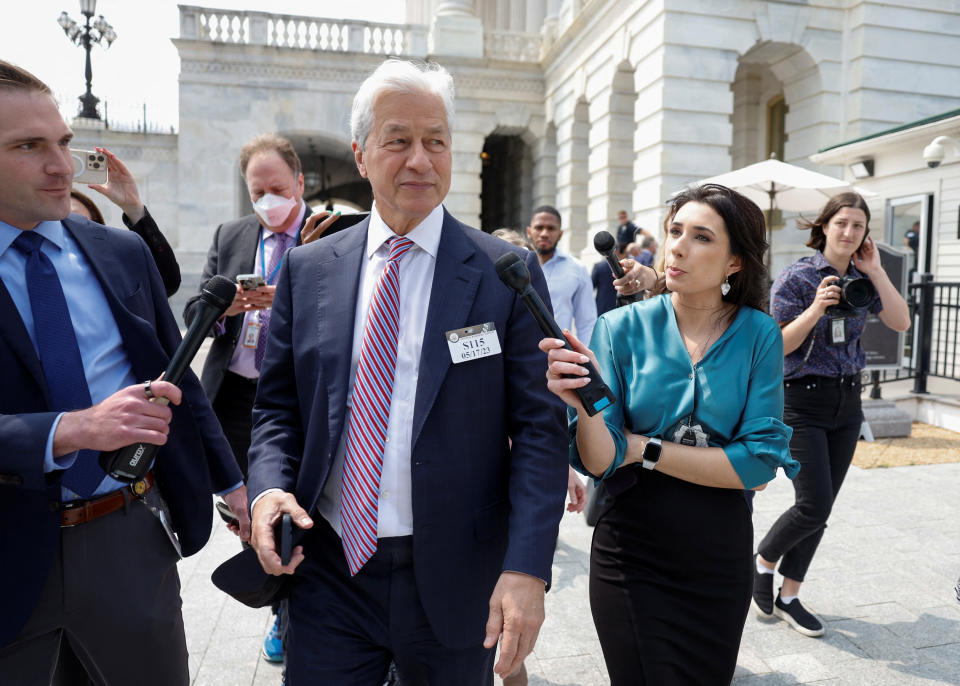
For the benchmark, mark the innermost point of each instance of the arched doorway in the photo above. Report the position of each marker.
(506, 181)
(330, 175)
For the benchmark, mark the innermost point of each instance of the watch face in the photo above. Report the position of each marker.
(651, 451)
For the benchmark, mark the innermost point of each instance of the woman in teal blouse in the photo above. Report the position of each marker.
(698, 375)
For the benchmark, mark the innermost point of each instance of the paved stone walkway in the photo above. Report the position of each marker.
(882, 580)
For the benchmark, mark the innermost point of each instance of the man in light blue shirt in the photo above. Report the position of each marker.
(571, 290)
(84, 320)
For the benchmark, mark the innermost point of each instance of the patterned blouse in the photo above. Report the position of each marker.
(792, 293)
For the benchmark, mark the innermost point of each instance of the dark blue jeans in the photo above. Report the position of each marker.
(825, 416)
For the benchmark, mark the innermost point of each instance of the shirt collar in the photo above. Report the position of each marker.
(51, 230)
(425, 235)
(557, 258)
(820, 263)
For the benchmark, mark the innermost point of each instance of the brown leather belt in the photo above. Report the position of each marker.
(82, 511)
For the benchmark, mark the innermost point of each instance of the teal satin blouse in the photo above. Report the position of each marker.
(735, 393)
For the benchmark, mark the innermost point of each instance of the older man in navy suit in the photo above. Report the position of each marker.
(402, 418)
(84, 321)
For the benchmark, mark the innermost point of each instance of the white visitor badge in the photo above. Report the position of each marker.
(473, 342)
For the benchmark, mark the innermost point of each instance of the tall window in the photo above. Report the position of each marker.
(776, 126)
(776, 137)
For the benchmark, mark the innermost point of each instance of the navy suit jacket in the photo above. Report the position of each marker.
(480, 505)
(195, 462)
(233, 252)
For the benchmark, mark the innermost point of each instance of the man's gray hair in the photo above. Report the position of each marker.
(404, 76)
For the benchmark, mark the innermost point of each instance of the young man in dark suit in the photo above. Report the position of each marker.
(402, 418)
(84, 321)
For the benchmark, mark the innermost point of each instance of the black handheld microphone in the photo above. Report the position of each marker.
(131, 463)
(604, 243)
(596, 395)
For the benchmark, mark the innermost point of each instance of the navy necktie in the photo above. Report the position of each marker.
(59, 354)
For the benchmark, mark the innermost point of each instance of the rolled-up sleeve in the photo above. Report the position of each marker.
(613, 415)
(761, 442)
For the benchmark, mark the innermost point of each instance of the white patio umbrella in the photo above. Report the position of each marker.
(773, 185)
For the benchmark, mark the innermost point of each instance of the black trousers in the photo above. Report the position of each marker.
(826, 417)
(346, 630)
(113, 592)
(670, 582)
(233, 407)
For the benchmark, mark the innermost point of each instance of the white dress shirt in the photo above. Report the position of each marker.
(395, 510)
(242, 362)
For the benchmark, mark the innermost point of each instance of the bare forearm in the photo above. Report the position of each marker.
(703, 466)
(895, 313)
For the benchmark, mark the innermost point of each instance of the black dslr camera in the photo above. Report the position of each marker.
(856, 293)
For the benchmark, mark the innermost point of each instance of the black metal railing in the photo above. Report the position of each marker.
(935, 312)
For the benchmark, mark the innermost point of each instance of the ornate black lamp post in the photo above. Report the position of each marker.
(99, 32)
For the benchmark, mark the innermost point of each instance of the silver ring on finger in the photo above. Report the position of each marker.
(147, 390)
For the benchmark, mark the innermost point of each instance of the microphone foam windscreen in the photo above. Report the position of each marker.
(604, 242)
(512, 271)
(219, 291)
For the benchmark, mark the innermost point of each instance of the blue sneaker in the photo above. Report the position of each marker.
(273, 644)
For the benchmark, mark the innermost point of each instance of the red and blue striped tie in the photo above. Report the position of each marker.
(370, 411)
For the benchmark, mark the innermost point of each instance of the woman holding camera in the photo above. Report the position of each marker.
(697, 375)
(821, 309)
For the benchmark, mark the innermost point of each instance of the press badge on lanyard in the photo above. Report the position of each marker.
(473, 342)
(838, 331)
(252, 331)
(251, 334)
(693, 436)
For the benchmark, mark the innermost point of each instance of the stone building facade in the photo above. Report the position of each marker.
(591, 105)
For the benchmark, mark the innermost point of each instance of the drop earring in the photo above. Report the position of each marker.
(725, 287)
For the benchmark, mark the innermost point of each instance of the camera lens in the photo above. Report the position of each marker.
(857, 293)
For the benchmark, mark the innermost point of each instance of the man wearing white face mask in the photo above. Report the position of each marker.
(254, 244)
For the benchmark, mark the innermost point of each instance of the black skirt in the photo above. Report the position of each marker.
(671, 572)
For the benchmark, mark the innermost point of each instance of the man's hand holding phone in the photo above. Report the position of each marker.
(253, 293)
(269, 537)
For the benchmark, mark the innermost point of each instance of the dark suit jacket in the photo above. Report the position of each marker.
(195, 462)
(233, 251)
(480, 506)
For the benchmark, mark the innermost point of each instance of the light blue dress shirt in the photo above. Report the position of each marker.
(571, 294)
(735, 393)
(105, 362)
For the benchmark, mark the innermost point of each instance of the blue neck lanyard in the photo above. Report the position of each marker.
(263, 260)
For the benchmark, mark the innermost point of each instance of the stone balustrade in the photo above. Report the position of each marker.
(336, 35)
(304, 33)
(513, 46)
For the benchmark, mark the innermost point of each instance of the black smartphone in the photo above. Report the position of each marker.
(283, 537)
(345, 221)
(226, 514)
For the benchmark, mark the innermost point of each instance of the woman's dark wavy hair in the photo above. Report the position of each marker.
(818, 239)
(748, 240)
(94, 211)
